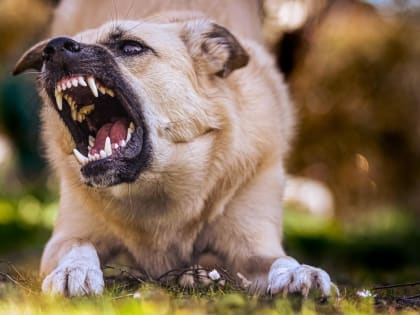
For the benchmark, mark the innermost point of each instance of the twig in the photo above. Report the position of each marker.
(177, 272)
(122, 296)
(399, 285)
(16, 282)
(126, 272)
(15, 270)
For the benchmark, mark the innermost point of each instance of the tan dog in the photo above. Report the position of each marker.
(168, 136)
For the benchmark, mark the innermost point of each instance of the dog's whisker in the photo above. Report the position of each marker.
(129, 10)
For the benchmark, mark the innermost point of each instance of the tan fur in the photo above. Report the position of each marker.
(217, 175)
(241, 16)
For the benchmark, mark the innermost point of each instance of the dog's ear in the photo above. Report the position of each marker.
(214, 46)
(31, 59)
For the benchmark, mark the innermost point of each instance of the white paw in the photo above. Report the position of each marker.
(287, 275)
(78, 273)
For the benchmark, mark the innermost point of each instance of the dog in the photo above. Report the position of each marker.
(168, 134)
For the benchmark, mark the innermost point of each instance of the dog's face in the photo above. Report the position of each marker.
(131, 94)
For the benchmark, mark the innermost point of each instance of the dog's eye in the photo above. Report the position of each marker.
(131, 47)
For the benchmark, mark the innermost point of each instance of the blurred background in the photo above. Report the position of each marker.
(353, 200)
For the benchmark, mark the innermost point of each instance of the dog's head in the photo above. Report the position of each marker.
(128, 93)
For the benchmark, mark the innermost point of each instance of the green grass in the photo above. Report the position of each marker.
(379, 249)
(155, 300)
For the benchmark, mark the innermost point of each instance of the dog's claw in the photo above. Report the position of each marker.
(287, 275)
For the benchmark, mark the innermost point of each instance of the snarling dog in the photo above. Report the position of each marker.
(169, 138)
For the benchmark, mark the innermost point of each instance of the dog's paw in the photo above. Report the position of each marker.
(78, 273)
(287, 275)
(196, 276)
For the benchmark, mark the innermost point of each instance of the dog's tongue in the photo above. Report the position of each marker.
(116, 131)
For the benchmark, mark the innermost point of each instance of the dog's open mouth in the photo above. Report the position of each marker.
(100, 125)
(106, 127)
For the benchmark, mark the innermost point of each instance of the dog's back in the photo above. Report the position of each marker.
(243, 17)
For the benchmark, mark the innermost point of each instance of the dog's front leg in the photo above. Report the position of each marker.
(78, 272)
(70, 262)
(248, 235)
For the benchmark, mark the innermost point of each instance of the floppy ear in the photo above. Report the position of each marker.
(31, 59)
(215, 46)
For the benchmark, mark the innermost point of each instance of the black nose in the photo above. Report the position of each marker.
(62, 46)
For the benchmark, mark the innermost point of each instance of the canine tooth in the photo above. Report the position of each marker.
(108, 148)
(80, 157)
(59, 99)
(110, 92)
(75, 82)
(68, 83)
(91, 141)
(73, 113)
(82, 81)
(102, 154)
(92, 86)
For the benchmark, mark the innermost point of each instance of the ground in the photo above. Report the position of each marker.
(374, 262)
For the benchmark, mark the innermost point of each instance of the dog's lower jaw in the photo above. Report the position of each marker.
(78, 273)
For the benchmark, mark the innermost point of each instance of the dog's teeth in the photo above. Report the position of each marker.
(92, 86)
(130, 131)
(86, 110)
(108, 148)
(58, 87)
(97, 156)
(116, 146)
(101, 89)
(59, 99)
(68, 84)
(75, 82)
(73, 113)
(123, 143)
(110, 92)
(132, 127)
(128, 136)
(80, 117)
(91, 141)
(82, 81)
(102, 154)
(80, 157)
(63, 86)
